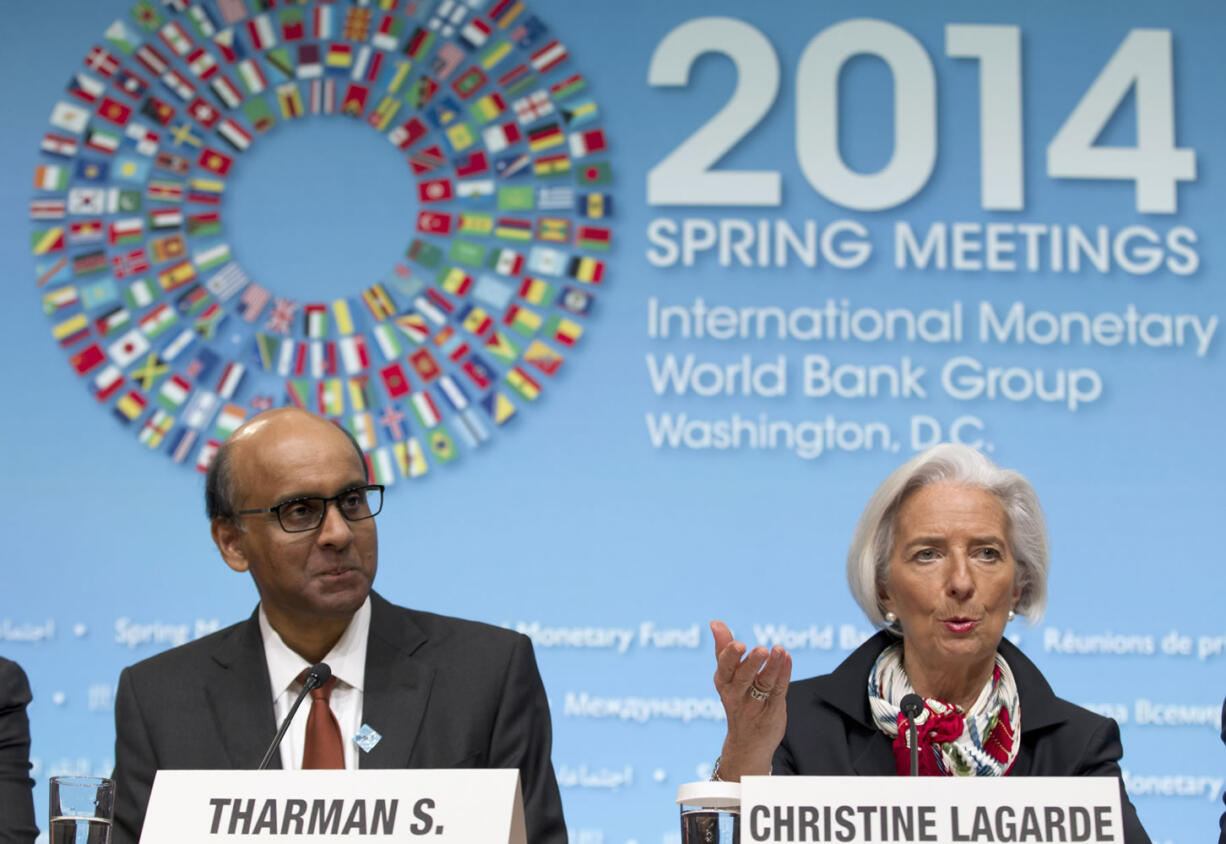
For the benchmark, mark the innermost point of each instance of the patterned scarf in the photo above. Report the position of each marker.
(980, 743)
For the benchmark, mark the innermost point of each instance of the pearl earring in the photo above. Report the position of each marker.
(1012, 615)
(890, 618)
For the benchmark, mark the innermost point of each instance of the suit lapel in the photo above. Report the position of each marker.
(397, 687)
(240, 697)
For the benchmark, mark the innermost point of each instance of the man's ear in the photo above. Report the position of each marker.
(228, 537)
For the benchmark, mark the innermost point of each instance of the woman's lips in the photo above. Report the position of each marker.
(959, 625)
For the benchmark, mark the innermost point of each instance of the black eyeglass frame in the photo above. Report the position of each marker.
(323, 513)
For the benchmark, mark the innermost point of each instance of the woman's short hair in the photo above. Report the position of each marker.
(869, 554)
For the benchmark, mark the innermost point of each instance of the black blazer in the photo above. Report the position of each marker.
(16, 797)
(831, 731)
(443, 692)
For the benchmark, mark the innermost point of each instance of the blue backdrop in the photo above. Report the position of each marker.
(1061, 298)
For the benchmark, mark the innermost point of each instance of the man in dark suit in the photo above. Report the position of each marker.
(16, 795)
(289, 502)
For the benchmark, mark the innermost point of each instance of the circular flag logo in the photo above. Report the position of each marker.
(158, 317)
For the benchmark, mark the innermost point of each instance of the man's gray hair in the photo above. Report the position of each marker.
(869, 554)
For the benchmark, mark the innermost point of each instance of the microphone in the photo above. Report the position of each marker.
(912, 705)
(317, 675)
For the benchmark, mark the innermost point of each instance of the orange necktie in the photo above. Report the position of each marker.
(324, 747)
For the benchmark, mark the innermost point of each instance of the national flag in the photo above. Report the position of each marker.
(473, 164)
(476, 223)
(282, 315)
(155, 429)
(419, 44)
(580, 112)
(226, 283)
(113, 321)
(330, 394)
(228, 420)
(199, 410)
(253, 301)
(568, 87)
(126, 230)
(129, 263)
(203, 113)
(424, 365)
(127, 348)
(408, 133)
(160, 112)
(140, 293)
(499, 407)
(175, 37)
(467, 252)
(164, 190)
(203, 20)
(424, 253)
(362, 427)
(289, 98)
(536, 291)
(310, 62)
(98, 294)
(394, 380)
(48, 209)
(215, 162)
(445, 60)
(150, 372)
(521, 382)
(202, 64)
(478, 372)
(585, 143)
(315, 319)
(422, 91)
(468, 82)
(176, 275)
(378, 302)
(546, 260)
(165, 218)
(497, 51)
(513, 228)
(69, 117)
(108, 382)
(209, 322)
(260, 115)
(427, 159)
(384, 113)
(88, 359)
(252, 76)
(183, 341)
(361, 392)
(89, 262)
(380, 468)
(229, 46)
(234, 134)
(85, 87)
(452, 393)
(563, 330)
(122, 37)
(594, 206)
(230, 380)
(532, 107)
(226, 91)
(431, 222)
(594, 174)
(475, 320)
(102, 140)
(414, 326)
(409, 458)
(553, 229)
(293, 25)
(498, 138)
(510, 165)
(71, 331)
(441, 445)
(151, 59)
(523, 320)
(493, 292)
(174, 392)
(434, 190)
(131, 84)
(460, 136)
(130, 406)
(548, 57)
(60, 298)
(260, 33)
(101, 61)
(593, 237)
(388, 341)
(425, 410)
(321, 23)
(475, 33)
(516, 80)
(506, 261)
(387, 36)
(454, 280)
(587, 270)
(501, 347)
(353, 103)
(51, 177)
(61, 145)
(554, 164)
(57, 270)
(353, 353)
(475, 189)
(129, 168)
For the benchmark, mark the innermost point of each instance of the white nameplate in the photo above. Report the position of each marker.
(441, 806)
(944, 810)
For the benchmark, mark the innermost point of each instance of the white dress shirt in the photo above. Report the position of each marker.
(347, 659)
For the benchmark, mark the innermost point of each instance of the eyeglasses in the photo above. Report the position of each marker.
(303, 514)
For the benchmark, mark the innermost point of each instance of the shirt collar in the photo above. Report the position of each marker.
(347, 659)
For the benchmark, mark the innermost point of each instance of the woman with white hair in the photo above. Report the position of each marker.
(949, 549)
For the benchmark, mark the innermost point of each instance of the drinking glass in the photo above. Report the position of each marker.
(81, 810)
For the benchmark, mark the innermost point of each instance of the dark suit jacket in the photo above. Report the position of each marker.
(831, 731)
(443, 692)
(16, 795)
(1222, 823)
